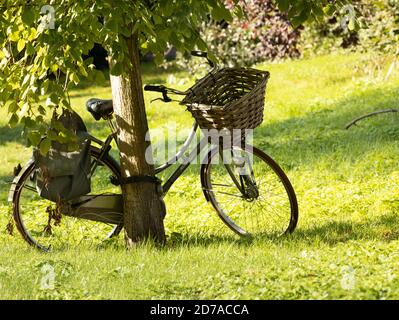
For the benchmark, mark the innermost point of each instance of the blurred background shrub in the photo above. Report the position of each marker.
(376, 29)
(262, 34)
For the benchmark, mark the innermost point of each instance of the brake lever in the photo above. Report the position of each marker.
(166, 97)
(161, 99)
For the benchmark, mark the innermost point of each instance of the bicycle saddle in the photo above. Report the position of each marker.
(99, 108)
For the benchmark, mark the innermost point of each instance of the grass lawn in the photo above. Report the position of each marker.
(346, 243)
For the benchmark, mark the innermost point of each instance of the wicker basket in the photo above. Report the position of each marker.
(229, 98)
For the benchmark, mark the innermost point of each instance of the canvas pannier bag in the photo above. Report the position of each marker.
(62, 174)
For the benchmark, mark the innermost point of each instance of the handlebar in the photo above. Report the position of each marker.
(159, 88)
(156, 88)
(164, 90)
(198, 53)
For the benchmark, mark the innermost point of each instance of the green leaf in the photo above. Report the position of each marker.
(57, 125)
(29, 122)
(112, 24)
(29, 49)
(329, 9)
(116, 69)
(14, 36)
(76, 54)
(41, 110)
(352, 24)
(34, 137)
(32, 34)
(283, 5)
(157, 19)
(28, 16)
(317, 10)
(13, 107)
(52, 100)
(238, 12)
(52, 134)
(45, 146)
(202, 45)
(13, 121)
(62, 138)
(74, 78)
(158, 58)
(220, 13)
(212, 57)
(300, 19)
(83, 71)
(21, 45)
(72, 146)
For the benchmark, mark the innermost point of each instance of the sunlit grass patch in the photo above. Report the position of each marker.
(346, 182)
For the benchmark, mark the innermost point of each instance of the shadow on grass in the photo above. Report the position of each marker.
(8, 134)
(319, 135)
(176, 240)
(5, 184)
(384, 228)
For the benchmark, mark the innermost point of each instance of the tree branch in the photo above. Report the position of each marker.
(353, 122)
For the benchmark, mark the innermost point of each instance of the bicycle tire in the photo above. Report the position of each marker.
(27, 172)
(232, 222)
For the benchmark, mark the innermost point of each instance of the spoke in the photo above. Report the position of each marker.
(268, 213)
(285, 199)
(71, 231)
(229, 194)
(223, 185)
(271, 207)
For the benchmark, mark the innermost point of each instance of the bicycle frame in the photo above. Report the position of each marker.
(108, 208)
(185, 163)
(105, 146)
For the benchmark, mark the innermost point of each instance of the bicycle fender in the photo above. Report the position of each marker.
(203, 175)
(16, 181)
(204, 166)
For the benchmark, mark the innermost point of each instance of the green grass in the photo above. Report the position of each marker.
(346, 243)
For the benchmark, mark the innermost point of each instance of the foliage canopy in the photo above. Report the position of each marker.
(37, 61)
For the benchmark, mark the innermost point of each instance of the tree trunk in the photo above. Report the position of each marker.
(143, 208)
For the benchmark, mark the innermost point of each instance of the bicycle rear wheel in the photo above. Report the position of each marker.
(250, 192)
(40, 225)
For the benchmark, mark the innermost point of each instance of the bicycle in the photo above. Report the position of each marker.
(250, 192)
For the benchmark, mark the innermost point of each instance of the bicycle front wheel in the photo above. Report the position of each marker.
(250, 192)
(39, 224)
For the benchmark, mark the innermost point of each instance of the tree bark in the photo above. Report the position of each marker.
(143, 208)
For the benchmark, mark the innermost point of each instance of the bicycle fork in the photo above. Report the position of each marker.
(245, 182)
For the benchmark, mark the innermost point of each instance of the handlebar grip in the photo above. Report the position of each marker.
(156, 88)
(198, 53)
(202, 54)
